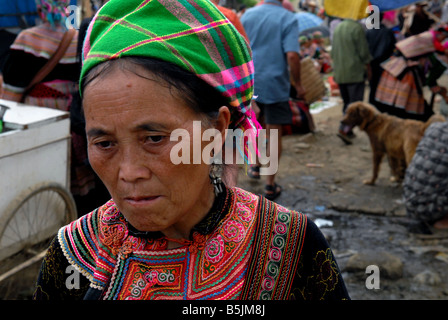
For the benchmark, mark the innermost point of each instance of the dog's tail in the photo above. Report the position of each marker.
(434, 118)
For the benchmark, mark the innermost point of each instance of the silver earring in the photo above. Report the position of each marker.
(215, 177)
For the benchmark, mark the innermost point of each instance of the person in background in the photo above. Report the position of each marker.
(312, 7)
(305, 44)
(319, 53)
(32, 48)
(414, 19)
(7, 38)
(241, 10)
(417, 63)
(381, 45)
(351, 64)
(421, 21)
(273, 33)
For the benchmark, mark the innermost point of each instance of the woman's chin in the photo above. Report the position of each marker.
(144, 213)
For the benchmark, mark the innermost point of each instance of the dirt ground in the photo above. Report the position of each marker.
(322, 177)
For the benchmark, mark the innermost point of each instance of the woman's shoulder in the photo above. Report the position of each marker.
(89, 223)
(88, 218)
(79, 239)
(285, 222)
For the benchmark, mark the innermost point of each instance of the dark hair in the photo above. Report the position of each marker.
(199, 95)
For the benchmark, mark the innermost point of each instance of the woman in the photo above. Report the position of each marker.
(418, 62)
(32, 49)
(29, 53)
(175, 231)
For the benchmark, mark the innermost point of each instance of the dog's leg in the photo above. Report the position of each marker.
(377, 158)
(396, 169)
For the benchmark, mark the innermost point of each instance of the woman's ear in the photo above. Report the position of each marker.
(215, 149)
(223, 121)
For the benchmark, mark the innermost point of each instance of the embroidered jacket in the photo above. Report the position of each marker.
(247, 247)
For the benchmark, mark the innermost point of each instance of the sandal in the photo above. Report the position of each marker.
(272, 191)
(254, 172)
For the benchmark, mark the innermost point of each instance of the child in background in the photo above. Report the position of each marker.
(305, 44)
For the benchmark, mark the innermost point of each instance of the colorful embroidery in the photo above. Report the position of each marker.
(214, 269)
(78, 241)
(137, 278)
(278, 246)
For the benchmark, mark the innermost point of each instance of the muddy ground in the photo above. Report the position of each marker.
(322, 177)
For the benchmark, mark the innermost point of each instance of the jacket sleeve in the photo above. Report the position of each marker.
(57, 279)
(317, 276)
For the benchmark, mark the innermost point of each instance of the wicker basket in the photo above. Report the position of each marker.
(311, 80)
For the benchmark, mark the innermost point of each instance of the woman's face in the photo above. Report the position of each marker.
(129, 120)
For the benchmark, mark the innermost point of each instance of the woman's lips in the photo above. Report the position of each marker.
(141, 200)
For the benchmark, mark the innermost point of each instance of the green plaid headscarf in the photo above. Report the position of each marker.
(193, 35)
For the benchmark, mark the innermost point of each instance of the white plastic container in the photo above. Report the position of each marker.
(34, 150)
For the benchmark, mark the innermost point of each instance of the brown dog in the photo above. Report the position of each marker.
(397, 138)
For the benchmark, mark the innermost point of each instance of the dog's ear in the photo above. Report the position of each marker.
(365, 112)
(351, 109)
(358, 111)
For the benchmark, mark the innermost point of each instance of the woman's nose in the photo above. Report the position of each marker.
(133, 166)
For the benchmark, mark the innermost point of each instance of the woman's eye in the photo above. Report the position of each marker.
(154, 139)
(104, 144)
